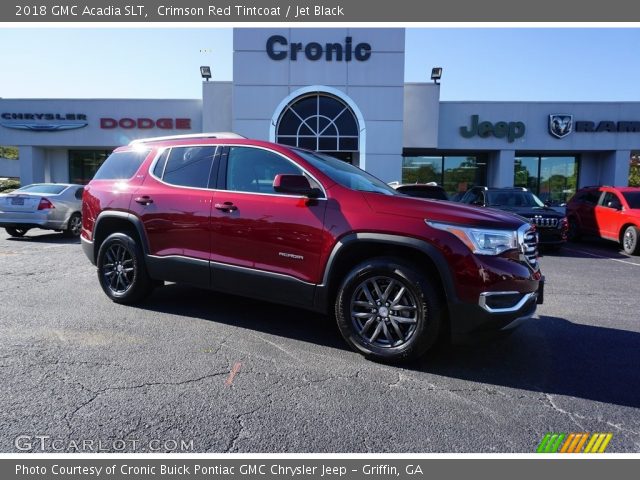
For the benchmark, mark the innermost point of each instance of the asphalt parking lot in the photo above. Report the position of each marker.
(196, 371)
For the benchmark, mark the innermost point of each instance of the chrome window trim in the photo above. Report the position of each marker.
(161, 151)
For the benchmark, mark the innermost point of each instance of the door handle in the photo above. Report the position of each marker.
(144, 200)
(226, 207)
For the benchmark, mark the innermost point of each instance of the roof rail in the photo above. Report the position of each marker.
(186, 137)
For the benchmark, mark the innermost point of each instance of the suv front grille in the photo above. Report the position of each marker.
(545, 222)
(529, 246)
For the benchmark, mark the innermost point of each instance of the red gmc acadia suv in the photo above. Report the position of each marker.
(277, 223)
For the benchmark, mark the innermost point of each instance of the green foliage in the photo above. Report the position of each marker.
(634, 171)
(8, 185)
(9, 152)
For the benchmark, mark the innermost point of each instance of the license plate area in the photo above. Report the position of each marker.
(17, 201)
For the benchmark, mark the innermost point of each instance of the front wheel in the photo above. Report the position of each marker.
(630, 243)
(121, 270)
(16, 231)
(388, 311)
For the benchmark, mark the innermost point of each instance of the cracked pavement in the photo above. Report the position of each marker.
(74, 366)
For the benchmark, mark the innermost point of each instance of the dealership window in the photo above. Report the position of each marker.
(553, 179)
(319, 122)
(83, 164)
(456, 173)
(634, 170)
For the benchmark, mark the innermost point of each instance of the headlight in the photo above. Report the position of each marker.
(482, 241)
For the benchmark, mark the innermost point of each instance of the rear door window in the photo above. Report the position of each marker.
(188, 166)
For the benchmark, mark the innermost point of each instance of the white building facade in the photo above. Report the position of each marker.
(342, 91)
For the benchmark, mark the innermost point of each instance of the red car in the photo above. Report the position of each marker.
(608, 212)
(272, 222)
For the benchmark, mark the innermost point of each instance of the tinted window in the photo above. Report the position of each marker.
(345, 174)
(121, 165)
(158, 170)
(472, 196)
(253, 169)
(633, 199)
(511, 198)
(611, 200)
(189, 166)
(50, 189)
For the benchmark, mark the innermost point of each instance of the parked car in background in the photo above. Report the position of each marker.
(607, 212)
(50, 206)
(277, 223)
(551, 225)
(421, 190)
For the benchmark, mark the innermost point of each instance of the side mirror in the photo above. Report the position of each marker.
(477, 203)
(295, 185)
(547, 203)
(615, 205)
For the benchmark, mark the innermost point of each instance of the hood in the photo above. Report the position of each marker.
(530, 212)
(442, 211)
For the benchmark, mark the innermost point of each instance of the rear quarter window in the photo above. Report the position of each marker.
(121, 165)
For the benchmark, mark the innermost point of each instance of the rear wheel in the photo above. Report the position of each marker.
(121, 270)
(74, 226)
(16, 231)
(630, 243)
(388, 311)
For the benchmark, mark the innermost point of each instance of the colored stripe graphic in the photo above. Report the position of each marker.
(574, 442)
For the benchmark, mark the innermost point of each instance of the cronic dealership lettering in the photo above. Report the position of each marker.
(278, 48)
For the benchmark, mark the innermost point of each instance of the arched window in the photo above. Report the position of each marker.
(319, 122)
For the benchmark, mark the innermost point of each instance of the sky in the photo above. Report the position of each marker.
(481, 64)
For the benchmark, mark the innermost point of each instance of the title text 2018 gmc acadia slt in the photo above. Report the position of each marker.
(277, 223)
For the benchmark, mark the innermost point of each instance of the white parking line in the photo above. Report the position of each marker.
(600, 256)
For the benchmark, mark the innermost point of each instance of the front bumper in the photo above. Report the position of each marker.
(495, 311)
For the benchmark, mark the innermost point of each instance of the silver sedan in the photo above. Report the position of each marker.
(51, 206)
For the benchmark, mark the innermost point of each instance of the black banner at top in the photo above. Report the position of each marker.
(302, 11)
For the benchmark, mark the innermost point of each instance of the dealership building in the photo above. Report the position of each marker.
(341, 91)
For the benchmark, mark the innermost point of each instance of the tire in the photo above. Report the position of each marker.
(17, 231)
(630, 241)
(573, 231)
(363, 310)
(121, 270)
(74, 226)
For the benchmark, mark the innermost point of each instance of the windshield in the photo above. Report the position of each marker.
(632, 198)
(49, 189)
(513, 198)
(346, 174)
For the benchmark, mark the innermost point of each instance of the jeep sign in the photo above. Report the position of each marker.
(508, 130)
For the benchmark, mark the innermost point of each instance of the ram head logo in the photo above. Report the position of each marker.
(560, 125)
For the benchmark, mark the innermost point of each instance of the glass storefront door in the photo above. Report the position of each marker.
(456, 173)
(83, 164)
(553, 179)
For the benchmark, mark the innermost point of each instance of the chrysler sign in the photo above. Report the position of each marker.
(43, 122)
